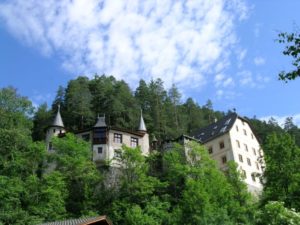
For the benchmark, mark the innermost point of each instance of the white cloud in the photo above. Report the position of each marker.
(178, 41)
(281, 119)
(222, 80)
(250, 80)
(258, 61)
(227, 94)
(38, 99)
(246, 78)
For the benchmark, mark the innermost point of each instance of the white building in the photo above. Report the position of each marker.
(232, 138)
(106, 142)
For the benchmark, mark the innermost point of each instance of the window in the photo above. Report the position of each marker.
(223, 129)
(257, 165)
(117, 153)
(227, 121)
(86, 137)
(224, 159)
(50, 145)
(240, 158)
(253, 177)
(243, 123)
(99, 135)
(252, 136)
(244, 174)
(238, 143)
(222, 145)
(210, 150)
(100, 150)
(117, 138)
(237, 128)
(53, 130)
(246, 147)
(248, 162)
(254, 151)
(245, 132)
(134, 142)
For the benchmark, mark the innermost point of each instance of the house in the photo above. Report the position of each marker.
(100, 220)
(106, 142)
(232, 138)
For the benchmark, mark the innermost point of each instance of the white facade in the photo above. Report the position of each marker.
(53, 131)
(106, 152)
(241, 146)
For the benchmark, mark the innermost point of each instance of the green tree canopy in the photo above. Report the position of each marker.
(292, 49)
(282, 173)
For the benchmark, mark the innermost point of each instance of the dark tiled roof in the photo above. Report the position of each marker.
(82, 221)
(216, 129)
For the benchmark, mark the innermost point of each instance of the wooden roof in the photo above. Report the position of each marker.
(100, 220)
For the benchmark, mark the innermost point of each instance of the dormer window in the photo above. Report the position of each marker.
(223, 129)
(227, 121)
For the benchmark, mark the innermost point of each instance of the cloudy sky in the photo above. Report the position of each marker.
(223, 50)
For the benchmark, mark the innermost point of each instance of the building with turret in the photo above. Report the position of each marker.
(106, 141)
(56, 129)
(232, 139)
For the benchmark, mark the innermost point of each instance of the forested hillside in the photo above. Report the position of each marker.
(185, 191)
(165, 113)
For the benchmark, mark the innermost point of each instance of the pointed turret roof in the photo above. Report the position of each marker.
(58, 122)
(142, 126)
(100, 122)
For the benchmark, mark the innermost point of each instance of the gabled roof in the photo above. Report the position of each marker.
(216, 129)
(57, 122)
(101, 220)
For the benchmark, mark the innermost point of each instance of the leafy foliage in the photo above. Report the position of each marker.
(292, 48)
(274, 213)
(181, 186)
(282, 173)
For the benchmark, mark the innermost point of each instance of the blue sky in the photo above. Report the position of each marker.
(223, 50)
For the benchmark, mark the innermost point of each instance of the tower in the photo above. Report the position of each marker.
(145, 139)
(55, 129)
(142, 126)
(100, 140)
